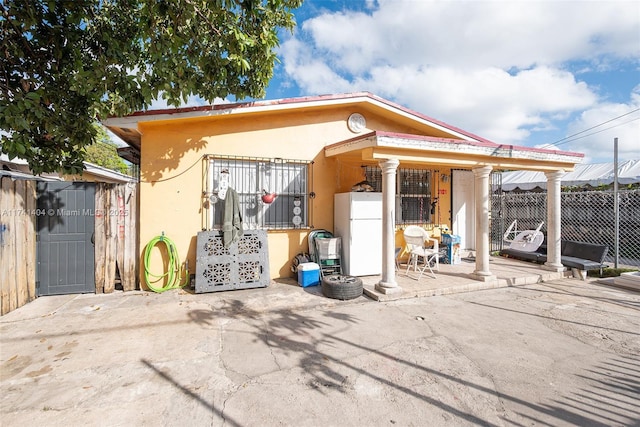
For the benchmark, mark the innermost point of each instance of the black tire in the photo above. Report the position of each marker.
(341, 287)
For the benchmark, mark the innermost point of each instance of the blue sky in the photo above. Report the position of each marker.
(554, 74)
(515, 72)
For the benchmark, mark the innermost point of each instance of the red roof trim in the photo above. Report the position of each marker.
(429, 119)
(289, 101)
(429, 138)
(301, 100)
(266, 103)
(483, 143)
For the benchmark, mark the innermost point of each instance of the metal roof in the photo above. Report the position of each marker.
(589, 174)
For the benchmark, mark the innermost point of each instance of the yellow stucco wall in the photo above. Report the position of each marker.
(172, 172)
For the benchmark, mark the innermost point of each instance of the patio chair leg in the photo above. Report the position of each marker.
(427, 264)
(411, 262)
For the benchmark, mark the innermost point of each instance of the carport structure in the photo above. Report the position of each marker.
(391, 150)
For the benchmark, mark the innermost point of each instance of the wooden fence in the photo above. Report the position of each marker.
(116, 236)
(116, 240)
(17, 243)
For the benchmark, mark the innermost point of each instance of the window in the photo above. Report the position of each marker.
(253, 178)
(413, 193)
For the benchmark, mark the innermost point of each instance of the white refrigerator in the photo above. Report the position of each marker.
(358, 221)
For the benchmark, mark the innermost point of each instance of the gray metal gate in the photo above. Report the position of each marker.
(243, 265)
(64, 249)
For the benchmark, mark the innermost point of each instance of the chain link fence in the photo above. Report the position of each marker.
(587, 216)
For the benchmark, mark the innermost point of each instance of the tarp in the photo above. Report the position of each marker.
(594, 175)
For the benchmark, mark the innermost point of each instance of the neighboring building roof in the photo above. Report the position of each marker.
(20, 172)
(26, 176)
(18, 168)
(16, 160)
(595, 175)
(106, 174)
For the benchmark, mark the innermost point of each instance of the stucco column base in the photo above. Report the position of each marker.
(388, 288)
(553, 267)
(482, 277)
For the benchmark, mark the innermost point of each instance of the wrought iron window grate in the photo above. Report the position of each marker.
(413, 193)
(273, 193)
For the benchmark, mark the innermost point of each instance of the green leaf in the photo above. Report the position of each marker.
(90, 57)
(20, 149)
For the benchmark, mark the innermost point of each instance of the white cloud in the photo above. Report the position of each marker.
(498, 69)
(314, 75)
(598, 142)
(489, 101)
(476, 34)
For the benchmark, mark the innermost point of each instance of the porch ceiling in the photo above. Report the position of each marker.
(418, 149)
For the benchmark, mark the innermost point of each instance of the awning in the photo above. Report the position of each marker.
(456, 153)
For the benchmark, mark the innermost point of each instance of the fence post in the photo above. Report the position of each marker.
(100, 237)
(111, 235)
(17, 243)
(30, 195)
(7, 254)
(616, 207)
(128, 271)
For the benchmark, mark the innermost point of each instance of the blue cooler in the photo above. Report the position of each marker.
(308, 274)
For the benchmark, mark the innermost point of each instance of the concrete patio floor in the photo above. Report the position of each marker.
(561, 352)
(454, 278)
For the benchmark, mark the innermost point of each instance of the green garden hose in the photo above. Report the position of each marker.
(174, 270)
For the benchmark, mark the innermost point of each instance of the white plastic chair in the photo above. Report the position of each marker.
(415, 238)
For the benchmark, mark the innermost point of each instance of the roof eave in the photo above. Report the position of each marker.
(421, 149)
(127, 127)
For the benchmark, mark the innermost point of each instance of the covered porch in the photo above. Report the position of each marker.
(458, 278)
(391, 151)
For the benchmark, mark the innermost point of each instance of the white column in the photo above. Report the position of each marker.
(387, 284)
(554, 220)
(481, 188)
